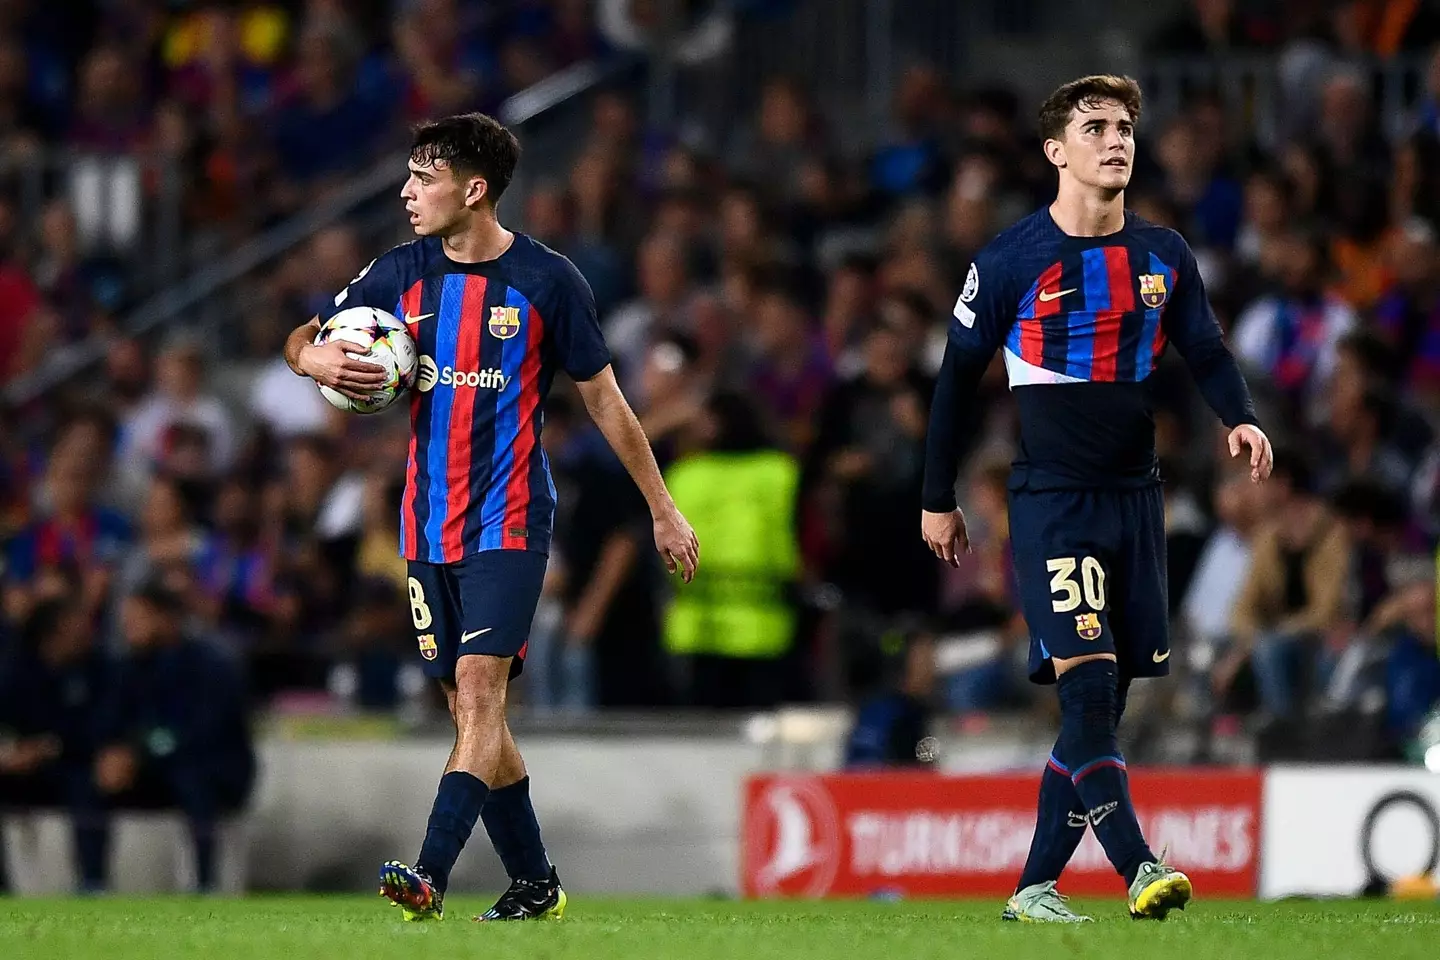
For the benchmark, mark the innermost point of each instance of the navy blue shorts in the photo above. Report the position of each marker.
(1090, 565)
(482, 603)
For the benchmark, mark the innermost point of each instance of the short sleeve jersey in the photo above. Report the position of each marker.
(490, 336)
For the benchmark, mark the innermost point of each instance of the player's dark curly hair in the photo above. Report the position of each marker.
(471, 144)
(1086, 93)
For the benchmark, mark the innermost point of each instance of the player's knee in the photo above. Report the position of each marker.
(1088, 695)
(481, 677)
(1066, 664)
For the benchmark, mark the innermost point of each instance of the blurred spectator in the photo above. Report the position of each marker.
(789, 369)
(1209, 199)
(175, 733)
(981, 629)
(167, 544)
(219, 57)
(1412, 669)
(1291, 334)
(20, 340)
(72, 536)
(1267, 213)
(1357, 440)
(1382, 27)
(1293, 595)
(378, 556)
(177, 400)
(739, 493)
(786, 136)
(608, 638)
(1215, 27)
(319, 511)
(325, 109)
(1427, 120)
(234, 567)
(1223, 567)
(1186, 529)
(83, 290)
(1408, 315)
(910, 161)
(1374, 518)
(890, 724)
(672, 394)
(111, 121)
(869, 454)
(23, 120)
(287, 405)
(445, 60)
(53, 683)
(664, 292)
(371, 648)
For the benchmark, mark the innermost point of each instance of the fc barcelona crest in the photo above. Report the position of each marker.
(504, 321)
(1088, 626)
(428, 649)
(1152, 290)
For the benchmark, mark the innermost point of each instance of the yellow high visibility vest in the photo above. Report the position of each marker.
(742, 506)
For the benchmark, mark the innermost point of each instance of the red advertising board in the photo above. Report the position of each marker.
(920, 835)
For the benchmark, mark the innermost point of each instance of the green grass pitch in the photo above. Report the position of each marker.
(358, 928)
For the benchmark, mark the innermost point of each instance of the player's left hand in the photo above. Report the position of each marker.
(945, 534)
(676, 541)
(1262, 456)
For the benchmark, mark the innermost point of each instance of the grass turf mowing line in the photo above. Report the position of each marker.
(358, 927)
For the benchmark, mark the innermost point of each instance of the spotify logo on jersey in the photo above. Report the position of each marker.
(430, 377)
(425, 380)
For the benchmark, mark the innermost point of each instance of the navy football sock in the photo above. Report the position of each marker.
(1087, 733)
(457, 806)
(510, 820)
(1059, 825)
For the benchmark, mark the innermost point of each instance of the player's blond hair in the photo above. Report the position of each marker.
(1087, 92)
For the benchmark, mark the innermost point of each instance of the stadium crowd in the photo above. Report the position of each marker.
(223, 115)
(776, 309)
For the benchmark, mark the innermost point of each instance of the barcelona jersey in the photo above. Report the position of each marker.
(1082, 322)
(490, 336)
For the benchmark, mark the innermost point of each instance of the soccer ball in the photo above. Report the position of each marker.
(390, 346)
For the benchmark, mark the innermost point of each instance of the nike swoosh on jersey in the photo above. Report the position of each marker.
(467, 637)
(1160, 657)
(423, 316)
(1044, 297)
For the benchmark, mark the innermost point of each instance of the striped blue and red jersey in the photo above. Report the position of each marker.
(490, 337)
(1082, 321)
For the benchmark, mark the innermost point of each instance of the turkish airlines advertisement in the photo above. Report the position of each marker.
(921, 835)
(1347, 831)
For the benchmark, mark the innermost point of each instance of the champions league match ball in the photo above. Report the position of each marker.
(390, 346)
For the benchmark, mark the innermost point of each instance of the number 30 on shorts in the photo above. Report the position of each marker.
(1089, 585)
(419, 609)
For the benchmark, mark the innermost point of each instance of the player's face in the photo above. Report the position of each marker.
(1099, 146)
(439, 201)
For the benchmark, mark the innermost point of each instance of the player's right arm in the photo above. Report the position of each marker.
(330, 364)
(983, 316)
(580, 349)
